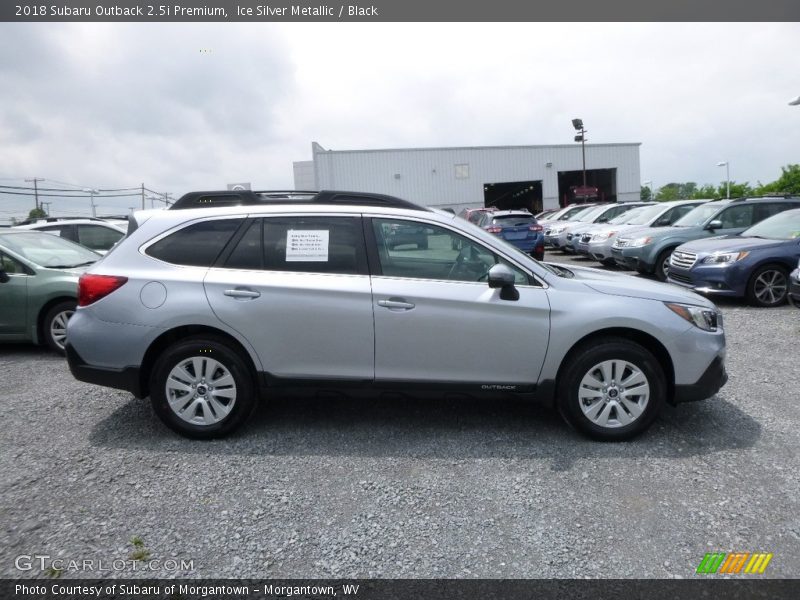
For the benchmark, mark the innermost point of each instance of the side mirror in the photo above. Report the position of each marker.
(715, 224)
(602, 220)
(4, 278)
(500, 276)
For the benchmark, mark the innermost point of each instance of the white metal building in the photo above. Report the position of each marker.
(534, 176)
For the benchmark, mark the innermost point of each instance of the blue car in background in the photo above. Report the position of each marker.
(754, 264)
(517, 227)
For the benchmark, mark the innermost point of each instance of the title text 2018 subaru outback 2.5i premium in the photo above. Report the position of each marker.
(648, 250)
(202, 309)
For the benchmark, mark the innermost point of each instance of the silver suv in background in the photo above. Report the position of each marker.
(207, 310)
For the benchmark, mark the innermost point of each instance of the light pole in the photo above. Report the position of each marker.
(581, 137)
(649, 185)
(725, 164)
(92, 192)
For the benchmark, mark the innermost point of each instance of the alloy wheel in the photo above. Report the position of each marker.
(200, 390)
(58, 328)
(613, 393)
(770, 287)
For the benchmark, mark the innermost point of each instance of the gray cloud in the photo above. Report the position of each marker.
(187, 106)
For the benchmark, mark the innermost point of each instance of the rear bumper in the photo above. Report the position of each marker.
(710, 382)
(121, 379)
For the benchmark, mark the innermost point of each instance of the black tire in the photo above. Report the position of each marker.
(660, 270)
(54, 325)
(768, 286)
(213, 349)
(580, 365)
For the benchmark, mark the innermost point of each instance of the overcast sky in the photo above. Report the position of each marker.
(185, 106)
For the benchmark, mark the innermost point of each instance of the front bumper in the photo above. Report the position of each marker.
(127, 378)
(720, 281)
(631, 258)
(710, 382)
(794, 285)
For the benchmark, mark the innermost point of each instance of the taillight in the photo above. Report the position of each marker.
(536, 227)
(92, 288)
(494, 229)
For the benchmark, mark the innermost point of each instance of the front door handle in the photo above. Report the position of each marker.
(396, 304)
(242, 293)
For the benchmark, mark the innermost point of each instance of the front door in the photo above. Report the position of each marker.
(13, 297)
(437, 320)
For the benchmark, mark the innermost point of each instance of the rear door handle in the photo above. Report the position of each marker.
(240, 293)
(396, 304)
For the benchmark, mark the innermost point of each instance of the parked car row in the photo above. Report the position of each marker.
(744, 247)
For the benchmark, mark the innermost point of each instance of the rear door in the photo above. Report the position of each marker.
(297, 288)
(437, 320)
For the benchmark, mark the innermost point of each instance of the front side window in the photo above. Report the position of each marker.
(737, 216)
(197, 245)
(444, 255)
(301, 244)
(9, 265)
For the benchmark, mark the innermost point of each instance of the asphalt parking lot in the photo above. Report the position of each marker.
(399, 487)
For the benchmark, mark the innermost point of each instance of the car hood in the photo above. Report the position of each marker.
(620, 229)
(638, 231)
(619, 284)
(732, 243)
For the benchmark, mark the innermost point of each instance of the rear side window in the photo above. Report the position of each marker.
(764, 211)
(197, 245)
(98, 237)
(302, 244)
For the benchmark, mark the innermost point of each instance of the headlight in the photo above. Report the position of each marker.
(721, 258)
(599, 237)
(556, 230)
(705, 318)
(642, 241)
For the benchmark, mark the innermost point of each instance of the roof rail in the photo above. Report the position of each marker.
(56, 219)
(247, 197)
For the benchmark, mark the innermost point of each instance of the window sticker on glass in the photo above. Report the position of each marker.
(307, 245)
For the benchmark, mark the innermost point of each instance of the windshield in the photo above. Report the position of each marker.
(47, 250)
(645, 216)
(699, 215)
(572, 213)
(783, 226)
(627, 215)
(590, 214)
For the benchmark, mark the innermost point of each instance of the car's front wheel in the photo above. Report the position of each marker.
(202, 388)
(611, 389)
(768, 286)
(54, 325)
(662, 264)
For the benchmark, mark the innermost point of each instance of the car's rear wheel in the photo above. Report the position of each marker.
(202, 388)
(768, 286)
(54, 325)
(611, 389)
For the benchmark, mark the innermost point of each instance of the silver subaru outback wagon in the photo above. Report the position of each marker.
(206, 310)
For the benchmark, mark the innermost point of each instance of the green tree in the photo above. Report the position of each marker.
(646, 193)
(670, 191)
(787, 183)
(37, 213)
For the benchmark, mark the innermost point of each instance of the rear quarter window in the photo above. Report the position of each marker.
(197, 245)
